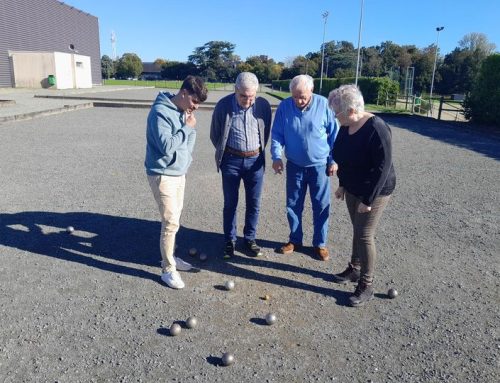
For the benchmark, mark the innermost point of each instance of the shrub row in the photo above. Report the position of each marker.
(376, 90)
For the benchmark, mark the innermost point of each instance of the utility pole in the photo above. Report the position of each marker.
(359, 40)
(438, 29)
(325, 17)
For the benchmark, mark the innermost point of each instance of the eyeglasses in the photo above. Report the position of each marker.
(339, 113)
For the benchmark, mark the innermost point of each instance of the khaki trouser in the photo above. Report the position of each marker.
(169, 195)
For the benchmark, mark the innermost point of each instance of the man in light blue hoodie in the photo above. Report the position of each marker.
(305, 128)
(170, 138)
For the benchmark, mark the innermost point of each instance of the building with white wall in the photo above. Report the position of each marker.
(64, 40)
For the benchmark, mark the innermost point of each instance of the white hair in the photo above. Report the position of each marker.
(246, 80)
(302, 81)
(345, 98)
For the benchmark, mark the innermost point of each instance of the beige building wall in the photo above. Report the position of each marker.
(32, 69)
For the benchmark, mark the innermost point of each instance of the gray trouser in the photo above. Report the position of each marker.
(364, 226)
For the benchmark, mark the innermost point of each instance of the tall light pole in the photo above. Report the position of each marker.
(359, 40)
(438, 29)
(325, 16)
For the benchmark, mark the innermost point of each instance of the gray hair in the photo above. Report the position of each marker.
(247, 80)
(302, 81)
(345, 98)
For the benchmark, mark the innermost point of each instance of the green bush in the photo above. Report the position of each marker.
(376, 90)
(482, 104)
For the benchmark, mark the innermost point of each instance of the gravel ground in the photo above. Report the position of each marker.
(89, 307)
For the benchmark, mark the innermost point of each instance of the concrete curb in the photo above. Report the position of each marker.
(31, 115)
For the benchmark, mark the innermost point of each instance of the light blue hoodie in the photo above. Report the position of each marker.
(169, 141)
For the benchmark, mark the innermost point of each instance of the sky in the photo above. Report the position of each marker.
(284, 29)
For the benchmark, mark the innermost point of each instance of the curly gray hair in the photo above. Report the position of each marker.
(345, 98)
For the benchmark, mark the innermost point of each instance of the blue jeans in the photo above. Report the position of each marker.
(297, 181)
(251, 171)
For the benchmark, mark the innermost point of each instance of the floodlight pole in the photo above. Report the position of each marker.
(325, 16)
(438, 29)
(359, 40)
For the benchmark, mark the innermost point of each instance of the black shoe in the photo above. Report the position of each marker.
(348, 275)
(229, 250)
(252, 248)
(362, 294)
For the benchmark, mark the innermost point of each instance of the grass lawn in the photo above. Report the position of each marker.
(176, 84)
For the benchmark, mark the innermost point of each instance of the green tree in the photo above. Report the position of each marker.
(481, 105)
(175, 70)
(129, 65)
(215, 60)
(107, 67)
(264, 68)
(461, 66)
(371, 63)
(423, 62)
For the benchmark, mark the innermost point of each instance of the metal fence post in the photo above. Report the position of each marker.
(440, 107)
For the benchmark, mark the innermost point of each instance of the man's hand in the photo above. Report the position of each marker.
(190, 120)
(362, 208)
(340, 193)
(331, 169)
(278, 167)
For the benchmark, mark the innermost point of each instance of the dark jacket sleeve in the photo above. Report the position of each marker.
(265, 111)
(380, 147)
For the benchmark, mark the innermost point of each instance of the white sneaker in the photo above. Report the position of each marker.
(173, 279)
(182, 265)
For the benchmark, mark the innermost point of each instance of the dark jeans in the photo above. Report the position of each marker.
(298, 179)
(364, 226)
(251, 171)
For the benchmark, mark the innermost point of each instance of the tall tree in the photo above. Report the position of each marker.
(129, 65)
(461, 67)
(107, 67)
(215, 60)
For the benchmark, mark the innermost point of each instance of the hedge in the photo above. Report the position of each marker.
(482, 104)
(376, 90)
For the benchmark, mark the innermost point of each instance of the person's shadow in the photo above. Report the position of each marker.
(114, 244)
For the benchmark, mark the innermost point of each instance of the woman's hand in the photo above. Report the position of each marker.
(362, 208)
(340, 193)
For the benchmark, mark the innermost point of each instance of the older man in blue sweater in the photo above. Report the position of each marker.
(305, 127)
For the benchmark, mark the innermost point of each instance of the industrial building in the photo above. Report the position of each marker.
(46, 43)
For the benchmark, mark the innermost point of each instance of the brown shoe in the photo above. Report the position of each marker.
(288, 248)
(322, 253)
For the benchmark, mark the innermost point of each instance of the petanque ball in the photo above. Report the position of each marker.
(191, 322)
(227, 359)
(270, 319)
(175, 329)
(229, 285)
(70, 229)
(392, 293)
(193, 252)
(203, 257)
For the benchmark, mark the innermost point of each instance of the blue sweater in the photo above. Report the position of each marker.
(169, 142)
(307, 135)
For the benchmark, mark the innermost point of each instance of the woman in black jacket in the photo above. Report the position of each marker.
(363, 152)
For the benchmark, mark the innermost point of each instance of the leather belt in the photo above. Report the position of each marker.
(242, 154)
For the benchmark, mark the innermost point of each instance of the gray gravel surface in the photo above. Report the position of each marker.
(90, 307)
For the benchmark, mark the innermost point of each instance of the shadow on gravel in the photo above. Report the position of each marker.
(455, 133)
(212, 243)
(98, 240)
(105, 241)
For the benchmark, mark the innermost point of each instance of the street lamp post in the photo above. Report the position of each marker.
(325, 16)
(438, 29)
(359, 40)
